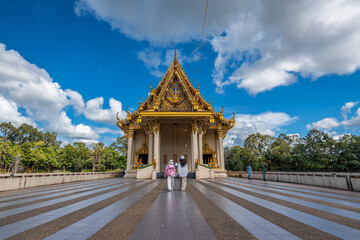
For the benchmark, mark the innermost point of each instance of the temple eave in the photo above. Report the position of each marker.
(175, 114)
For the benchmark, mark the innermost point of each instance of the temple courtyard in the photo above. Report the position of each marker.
(227, 208)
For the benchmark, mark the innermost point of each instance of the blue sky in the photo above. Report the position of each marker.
(280, 66)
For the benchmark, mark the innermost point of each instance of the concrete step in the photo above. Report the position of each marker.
(160, 175)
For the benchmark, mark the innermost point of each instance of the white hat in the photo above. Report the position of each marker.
(171, 162)
(182, 157)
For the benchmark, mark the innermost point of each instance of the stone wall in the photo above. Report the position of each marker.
(20, 181)
(345, 181)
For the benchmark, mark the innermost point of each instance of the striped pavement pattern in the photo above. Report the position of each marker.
(229, 208)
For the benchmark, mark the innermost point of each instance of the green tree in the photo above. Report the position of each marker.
(236, 158)
(68, 155)
(98, 152)
(256, 146)
(120, 145)
(320, 150)
(9, 132)
(347, 152)
(5, 154)
(280, 153)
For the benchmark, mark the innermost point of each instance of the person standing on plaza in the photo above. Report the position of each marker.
(183, 172)
(170, 173)
(263, 170)
(249, 172)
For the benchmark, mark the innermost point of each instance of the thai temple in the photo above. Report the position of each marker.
(175, 120)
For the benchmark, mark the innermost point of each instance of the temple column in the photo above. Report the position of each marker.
(221, 152)
(217, 148)
(151, 147)
(190, 162)
(194, 146)
(157, 145)
(201, 147)
(133, 150)
(130, 136)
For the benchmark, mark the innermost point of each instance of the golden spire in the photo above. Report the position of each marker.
(175, 53)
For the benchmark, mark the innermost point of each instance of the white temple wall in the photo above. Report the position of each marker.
(175, 140)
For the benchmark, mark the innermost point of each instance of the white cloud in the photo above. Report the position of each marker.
(107, 130)
(264, 123)
(260, 44)
(63, 126)
(94, 110)
(326, 123)
(161, 21)
(354, 121)
(280, 38)
(346, 109)
(27, 87)
(88, 142)
(229, 140)
(9, 113)
(76, 100)
(154, 59)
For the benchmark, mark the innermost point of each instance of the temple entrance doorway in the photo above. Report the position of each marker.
(175, 142)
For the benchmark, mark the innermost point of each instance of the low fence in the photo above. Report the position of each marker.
(27, 180)
(345, 181)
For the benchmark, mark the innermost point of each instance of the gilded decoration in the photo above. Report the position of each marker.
(143, 150)
(194, 127)
(128, 117)
(202, 127)
(175, 99)
(212, 163)
(156, 127)
(138, 163)
(129, 133)
(141, 105)
(118, 123)
(197, 163)
(207, 149)
(153, 163)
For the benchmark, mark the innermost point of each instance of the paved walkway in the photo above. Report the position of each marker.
(209, 209)
(174, 215)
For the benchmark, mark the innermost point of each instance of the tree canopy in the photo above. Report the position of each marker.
(35, 151)
(317, 151)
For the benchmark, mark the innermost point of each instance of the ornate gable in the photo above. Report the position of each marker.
(175, 98)
(175, 93)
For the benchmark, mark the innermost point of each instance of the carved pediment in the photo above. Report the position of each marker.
(175, 99)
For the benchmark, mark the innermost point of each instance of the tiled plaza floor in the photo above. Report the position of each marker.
(230, 208)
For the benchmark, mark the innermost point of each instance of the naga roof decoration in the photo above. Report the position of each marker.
(175, 96)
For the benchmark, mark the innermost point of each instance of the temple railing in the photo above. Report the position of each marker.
(26, 180)
(339, 180)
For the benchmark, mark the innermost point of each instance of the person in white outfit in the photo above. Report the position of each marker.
(170, 173)
(183, 172)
